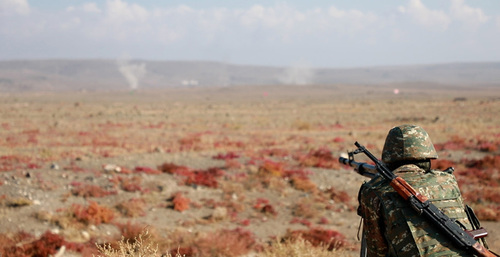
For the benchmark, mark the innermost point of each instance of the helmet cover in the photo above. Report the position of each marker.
(408, 143)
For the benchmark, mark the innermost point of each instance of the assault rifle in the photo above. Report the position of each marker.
(461, 238)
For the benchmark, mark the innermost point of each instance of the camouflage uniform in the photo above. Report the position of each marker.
(390, 226)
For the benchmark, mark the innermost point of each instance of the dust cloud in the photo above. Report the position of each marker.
(297, 75)
(133, 72)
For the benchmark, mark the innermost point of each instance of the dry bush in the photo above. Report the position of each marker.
(301, 248)
(142, 246)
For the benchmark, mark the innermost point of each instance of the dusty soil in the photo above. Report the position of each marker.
(51, 144)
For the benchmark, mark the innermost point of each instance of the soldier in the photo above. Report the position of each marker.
(390, 226)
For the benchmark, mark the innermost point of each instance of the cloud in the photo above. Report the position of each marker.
(351, 19)
(424, 16)
(268, 34)
(91, 8)
(14, 7)
(119, 12)
(469, 16)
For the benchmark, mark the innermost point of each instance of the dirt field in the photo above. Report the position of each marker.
(253, 163)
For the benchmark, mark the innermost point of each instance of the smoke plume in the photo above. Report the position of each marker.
(297, 75)
(133, 73)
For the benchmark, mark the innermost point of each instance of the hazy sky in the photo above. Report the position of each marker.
(316, 33)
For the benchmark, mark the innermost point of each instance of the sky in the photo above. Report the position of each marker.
(314, 33)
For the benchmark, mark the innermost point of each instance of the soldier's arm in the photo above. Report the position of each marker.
(373, 227)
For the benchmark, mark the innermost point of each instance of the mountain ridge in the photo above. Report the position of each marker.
(99, 74)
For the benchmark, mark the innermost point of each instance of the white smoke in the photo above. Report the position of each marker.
(133, 73)
(298, 74)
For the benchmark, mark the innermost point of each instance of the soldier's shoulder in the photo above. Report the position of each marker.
(374, 186)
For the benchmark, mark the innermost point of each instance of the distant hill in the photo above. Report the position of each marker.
(70, 75)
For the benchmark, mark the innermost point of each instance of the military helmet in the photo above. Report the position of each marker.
(408, 143)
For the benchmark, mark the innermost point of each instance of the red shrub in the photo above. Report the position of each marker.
(180, 202)
(47, 245)
(272, 168)
(230, 243)
(477, 177)
(131, 184)
(263, 206)
(304, 222)
(487, 162)
(206, 178)
(183, 251)
(488, 213)
(304, 184)
(174, 169)
(93, 214)
(320, 158)
(260, 202)
(227, 156)
(146, 170)
(338, 140)
(90, 191)
(233, 164)
(316, 236)
(487, 146)
(245, 222)
(324, 221)
(299, 173)
(483, 195)
(190, 142)
(12, 245)
(13, 162)
(456, 143)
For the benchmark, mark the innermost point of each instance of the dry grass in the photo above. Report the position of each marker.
(142, 246)
(302, 248)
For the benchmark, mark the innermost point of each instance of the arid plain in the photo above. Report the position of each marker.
(223, 171)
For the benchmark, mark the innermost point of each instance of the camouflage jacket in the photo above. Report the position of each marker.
(392, 228)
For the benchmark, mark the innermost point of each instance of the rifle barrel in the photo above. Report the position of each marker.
(362, 168)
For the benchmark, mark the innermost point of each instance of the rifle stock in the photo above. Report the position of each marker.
(460, 237)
